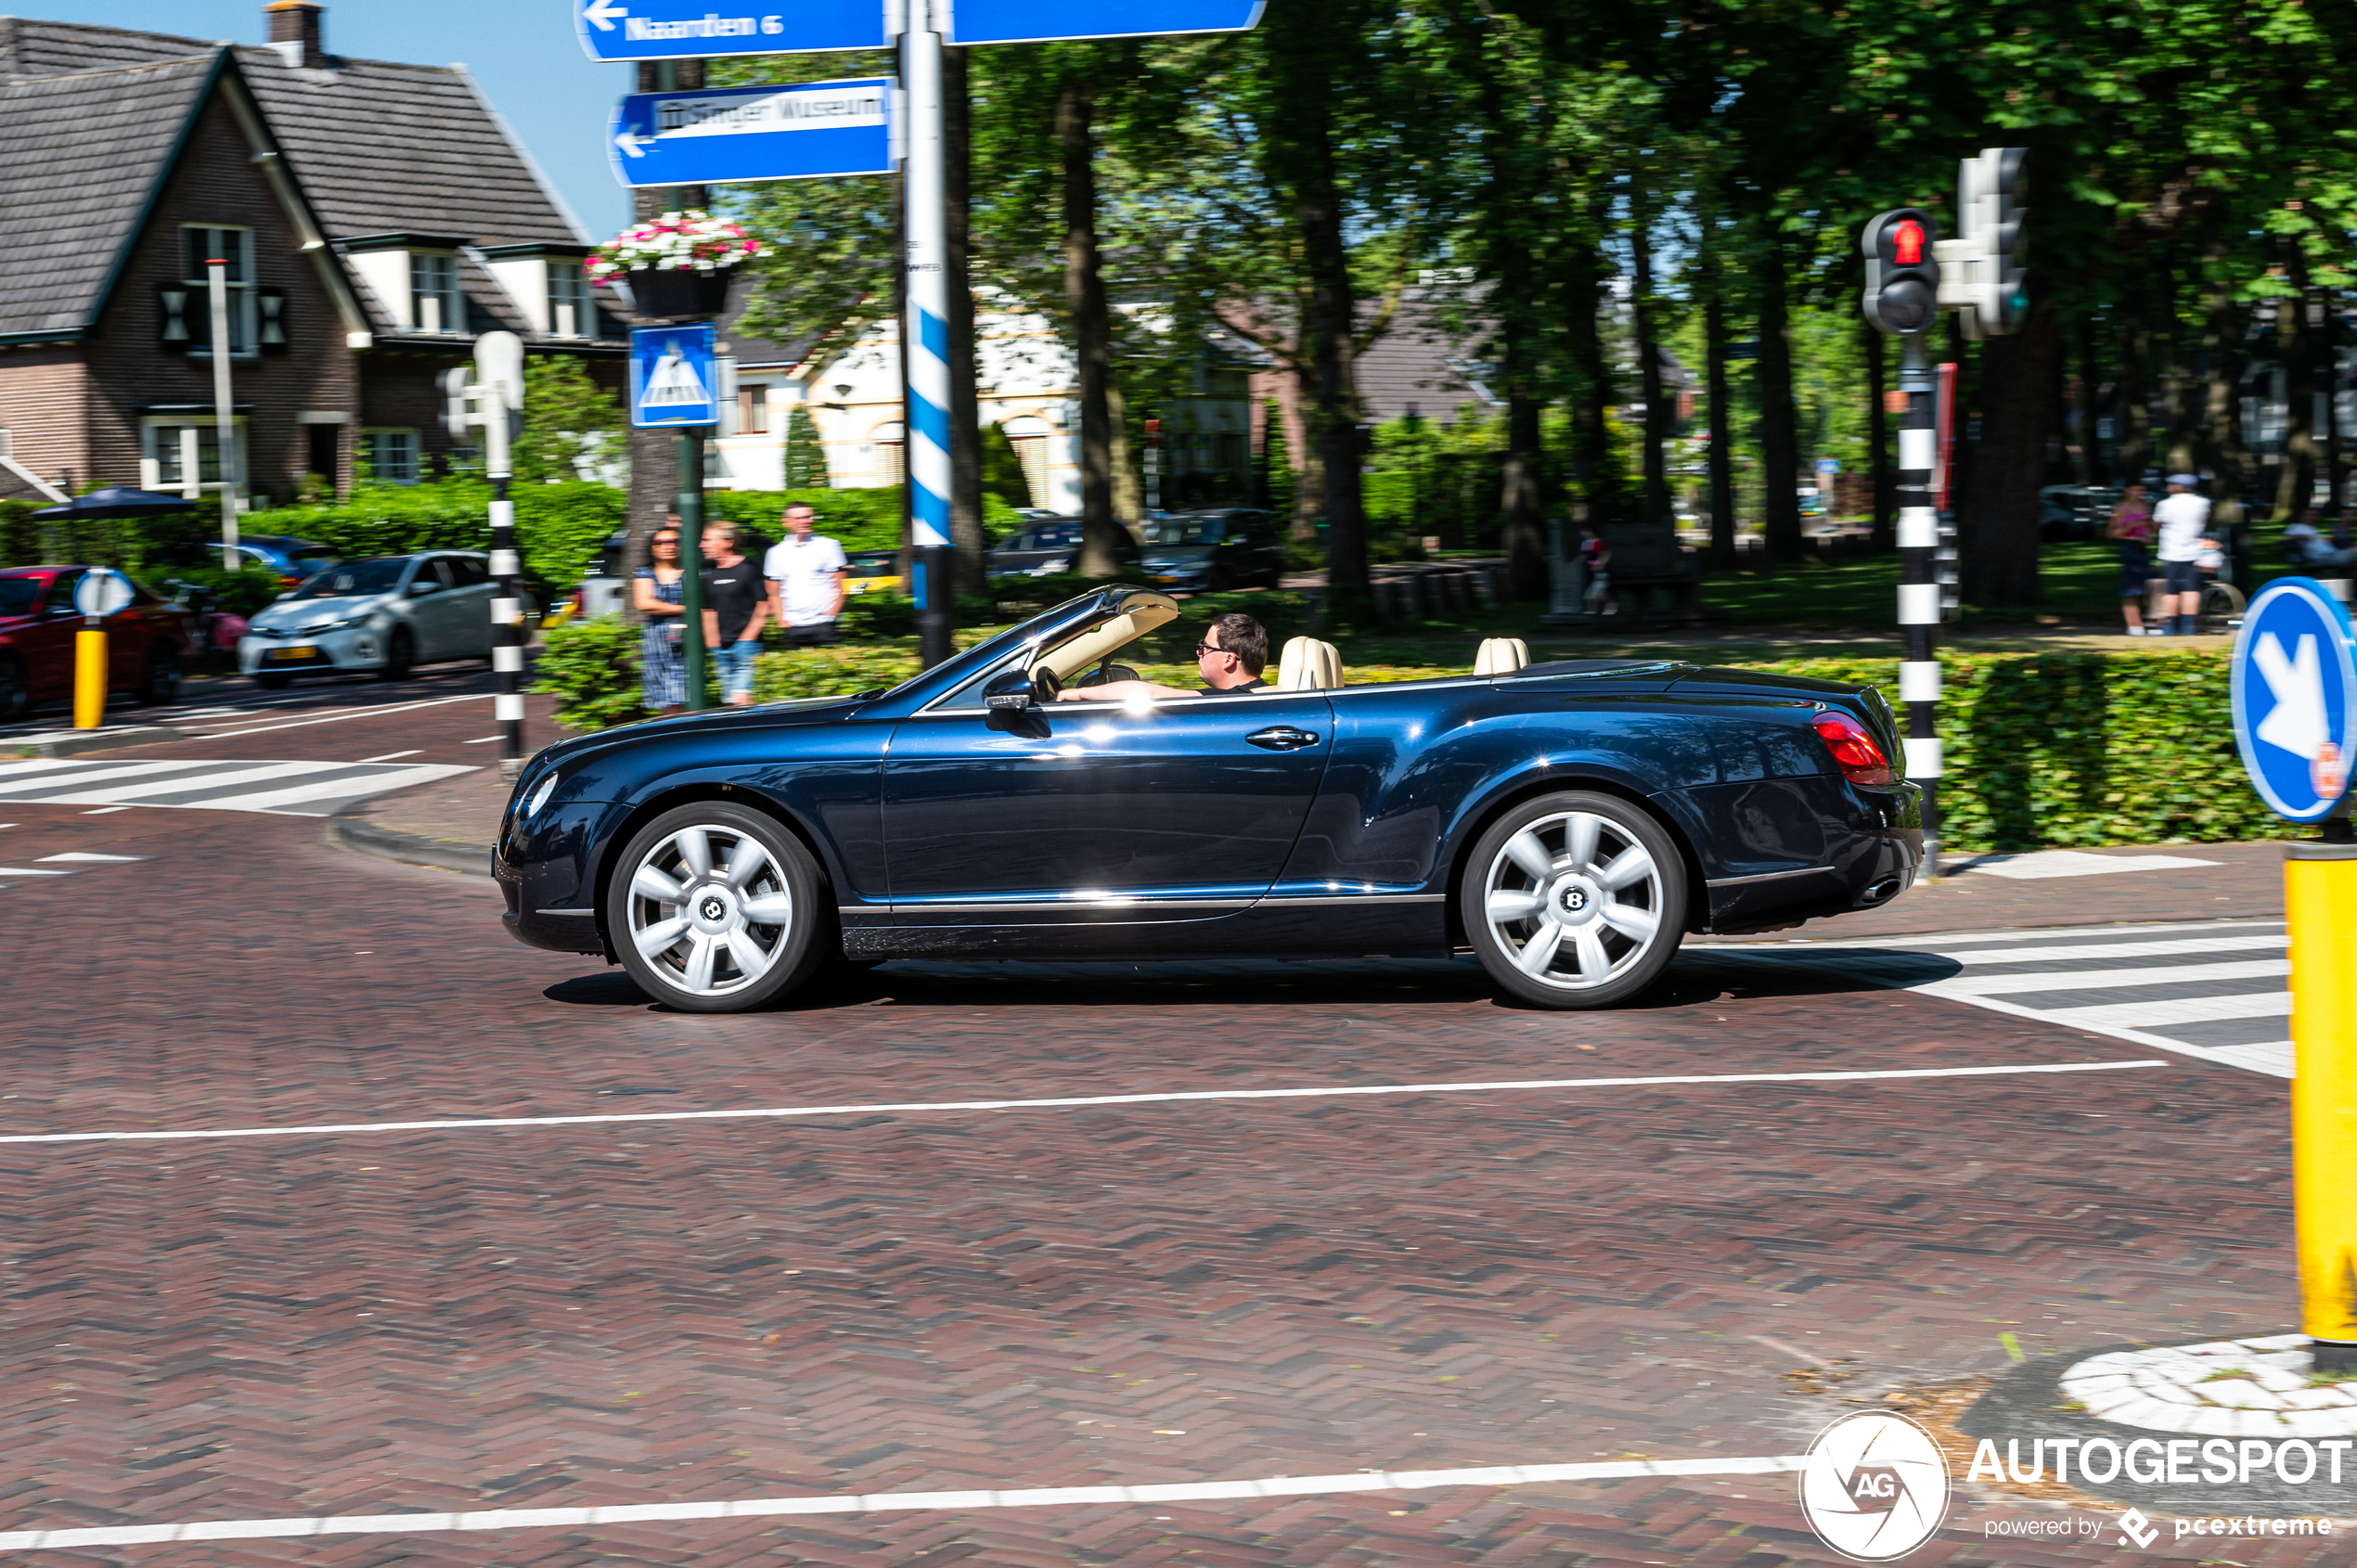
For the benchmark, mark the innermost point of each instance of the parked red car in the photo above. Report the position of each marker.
(147, 643)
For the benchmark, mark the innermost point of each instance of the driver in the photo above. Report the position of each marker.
(1233, 651)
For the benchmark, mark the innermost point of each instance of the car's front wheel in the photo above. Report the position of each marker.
(1575, 900)
(401, 652)
(160, 682)
(16, 691)
(716, 908)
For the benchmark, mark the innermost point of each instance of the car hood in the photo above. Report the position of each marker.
(795, 713)
(301, 613)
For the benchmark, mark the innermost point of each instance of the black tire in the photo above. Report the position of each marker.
(160, 683)
(401, 652)
(712, 928)
(15, 690)
(1218, 581)
(1606, 900)
(272, 683)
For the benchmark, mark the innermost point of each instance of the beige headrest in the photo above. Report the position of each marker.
(1501, 656)
(1309, 665)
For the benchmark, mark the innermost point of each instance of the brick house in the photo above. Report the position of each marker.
(375, 216)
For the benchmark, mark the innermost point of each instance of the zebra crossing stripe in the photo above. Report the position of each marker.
(2106, 979)
(220, 786)
(14, 781)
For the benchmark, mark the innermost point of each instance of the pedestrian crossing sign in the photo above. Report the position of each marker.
(674, 377)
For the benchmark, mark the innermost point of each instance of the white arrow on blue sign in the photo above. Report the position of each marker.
(101, 592)
(672, 377)
(774, 133)
(668, 30)
(2295, 698)
(1045, 21)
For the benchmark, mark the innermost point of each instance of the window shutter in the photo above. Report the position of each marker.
(174, 300)
(270, 305)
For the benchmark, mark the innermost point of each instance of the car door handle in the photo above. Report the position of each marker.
(1282, 738)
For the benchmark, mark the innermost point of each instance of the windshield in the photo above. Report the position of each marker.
(378, 575)
(16, 594)
(1190, 531)
(989, 656)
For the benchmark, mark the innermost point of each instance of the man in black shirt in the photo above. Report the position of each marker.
(736, 600)
(1233, 651)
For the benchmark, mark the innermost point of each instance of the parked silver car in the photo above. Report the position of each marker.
(383, 614)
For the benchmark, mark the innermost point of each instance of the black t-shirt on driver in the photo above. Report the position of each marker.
(1256, 683)
(732, 592)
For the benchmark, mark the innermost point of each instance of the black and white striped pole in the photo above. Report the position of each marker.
(1902, 299)
(498, 408)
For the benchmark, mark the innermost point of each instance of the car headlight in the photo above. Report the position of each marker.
(539, 797)
(316, 627)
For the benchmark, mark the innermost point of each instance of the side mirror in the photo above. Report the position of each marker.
(1011, 691)
(420, 588)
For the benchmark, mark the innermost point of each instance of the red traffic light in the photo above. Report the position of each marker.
(1907, 240)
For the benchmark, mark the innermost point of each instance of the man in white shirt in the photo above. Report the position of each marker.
(805, 581)
(2184, 519)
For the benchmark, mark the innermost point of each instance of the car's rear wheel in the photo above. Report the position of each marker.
(716, 908)
(15, 690)
(401, 651)
(160, 682)
(1575, 900)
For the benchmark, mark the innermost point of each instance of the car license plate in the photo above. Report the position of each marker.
(290, 655)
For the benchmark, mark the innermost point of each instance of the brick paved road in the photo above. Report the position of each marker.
(651, 1313)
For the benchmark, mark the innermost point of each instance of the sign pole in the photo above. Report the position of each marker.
(691, 562)
(1919, 584)
(924, 333)
(225, 418)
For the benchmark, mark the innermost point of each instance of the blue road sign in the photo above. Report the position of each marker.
(2295, 691)
(669, 29)
(775, 133)
(1042, 22)
(673, 378)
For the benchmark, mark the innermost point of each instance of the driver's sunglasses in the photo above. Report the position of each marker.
(1204, 648)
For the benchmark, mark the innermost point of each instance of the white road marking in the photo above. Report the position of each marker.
(1969, 938)
(2105, 980)
(882, 1503)
(2186, 1010)
(340, 789)
(92, 857)
(391, 756)
(29, 871)
(383, 711)
(2076, 863)
(476, 1123)
(16, 777)
(2117, 950)
(106, 811)
(483, 741)
(107, 790)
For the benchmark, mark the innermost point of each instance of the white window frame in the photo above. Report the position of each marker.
(436, 304)
(572, 311)
(159, 450)
(234, 244)
(371, 434)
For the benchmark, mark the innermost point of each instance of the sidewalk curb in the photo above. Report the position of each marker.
(73, 742)
(387, 843)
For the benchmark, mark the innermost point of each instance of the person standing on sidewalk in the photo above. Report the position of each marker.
(2131, 528)
(657, 593)
(2183, 518)
(736, 603)
(805, 581)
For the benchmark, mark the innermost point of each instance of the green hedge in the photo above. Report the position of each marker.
(2047, 750)
(2043, 749)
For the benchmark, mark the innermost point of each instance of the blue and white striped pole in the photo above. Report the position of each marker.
(924, 329)
(1919, 583)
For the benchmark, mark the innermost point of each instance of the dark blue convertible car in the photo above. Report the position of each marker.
(1567, 822)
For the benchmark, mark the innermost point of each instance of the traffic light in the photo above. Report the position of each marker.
(457, 389)
(1903, 277)
(1989, 289)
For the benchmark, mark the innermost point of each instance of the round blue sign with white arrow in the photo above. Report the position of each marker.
(2296, 698)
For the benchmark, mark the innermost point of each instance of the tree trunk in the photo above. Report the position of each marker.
(2091, 446)
(1522, 510)
(1998, 542)
(965, 413)
(1721, 456)
(2296, 340)
(1642, 307)
(1601, 487)
(2131, 420)
(2176, 379)
(1091, 327)
(1778, 429)
(2223, 404)
(1880, 475)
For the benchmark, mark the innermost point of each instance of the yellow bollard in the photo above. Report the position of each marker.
(89, 677)
(2320, 902)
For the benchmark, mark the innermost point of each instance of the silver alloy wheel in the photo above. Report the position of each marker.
(1574, 900)
(709, 909)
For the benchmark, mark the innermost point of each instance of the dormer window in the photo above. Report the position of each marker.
(435, 303)
(544, 282)
(569, 307)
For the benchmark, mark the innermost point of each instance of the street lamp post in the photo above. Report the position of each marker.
(224, 410)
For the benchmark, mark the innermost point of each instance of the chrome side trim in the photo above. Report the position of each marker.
(1285, 901)
(1767, 877)
(590, 914)
(1041, 905)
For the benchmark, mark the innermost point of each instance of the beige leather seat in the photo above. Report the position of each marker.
(1309, 665)
(1502, 656)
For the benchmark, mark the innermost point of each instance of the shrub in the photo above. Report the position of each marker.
(591, 668)
(830, 671)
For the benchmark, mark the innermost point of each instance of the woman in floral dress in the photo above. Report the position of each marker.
(657, 593)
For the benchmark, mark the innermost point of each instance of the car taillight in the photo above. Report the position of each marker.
(1854, 750)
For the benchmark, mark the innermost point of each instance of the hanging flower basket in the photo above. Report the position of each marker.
(677, 265)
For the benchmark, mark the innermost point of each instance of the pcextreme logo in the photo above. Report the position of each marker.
(1875, 1486)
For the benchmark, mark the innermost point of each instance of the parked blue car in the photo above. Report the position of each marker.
(1567, 822)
